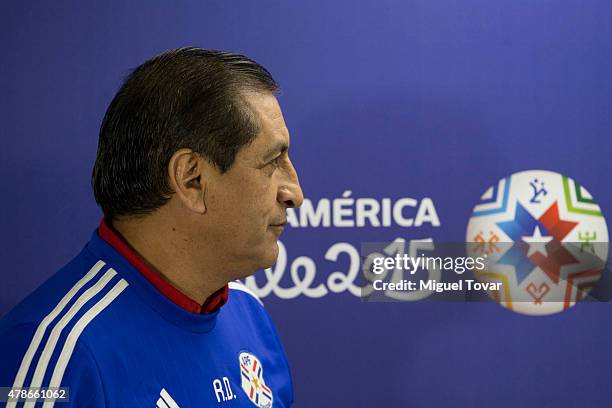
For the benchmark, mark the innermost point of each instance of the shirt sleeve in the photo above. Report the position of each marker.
(21, 348)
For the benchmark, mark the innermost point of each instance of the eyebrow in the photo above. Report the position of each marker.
(279, 148)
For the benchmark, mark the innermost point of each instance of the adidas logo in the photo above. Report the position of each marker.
(165, 400)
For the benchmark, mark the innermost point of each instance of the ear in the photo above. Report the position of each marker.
(187, 177)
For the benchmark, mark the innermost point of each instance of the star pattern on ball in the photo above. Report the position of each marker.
(526, 254)
(537, 242)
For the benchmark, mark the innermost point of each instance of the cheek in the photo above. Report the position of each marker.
(250, 200)
(264, 197)
(248, 211)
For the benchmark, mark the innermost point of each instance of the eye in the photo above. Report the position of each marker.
(276, 162)
(271, 166)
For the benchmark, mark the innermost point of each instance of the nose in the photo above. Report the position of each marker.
(289, 192)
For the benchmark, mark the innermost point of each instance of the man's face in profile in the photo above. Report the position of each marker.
(247, 204)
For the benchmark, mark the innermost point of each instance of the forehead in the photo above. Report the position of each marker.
(272, 128)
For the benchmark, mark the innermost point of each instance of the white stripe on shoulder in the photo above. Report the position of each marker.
(161, 403)
(237, 285)
(42, 327)
(168, 399)
(45, 357)
(73, 336)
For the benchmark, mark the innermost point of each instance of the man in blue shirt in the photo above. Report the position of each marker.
(194, 179)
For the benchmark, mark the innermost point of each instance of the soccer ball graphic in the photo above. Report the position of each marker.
(544, 238)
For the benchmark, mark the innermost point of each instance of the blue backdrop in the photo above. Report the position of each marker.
(385, 99)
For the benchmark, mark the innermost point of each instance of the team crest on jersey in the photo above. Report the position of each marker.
(545, 238)
(253, 383)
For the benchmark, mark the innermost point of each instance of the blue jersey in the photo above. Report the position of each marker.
(100, 329)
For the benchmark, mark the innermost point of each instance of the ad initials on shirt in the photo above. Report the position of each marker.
(223, 390)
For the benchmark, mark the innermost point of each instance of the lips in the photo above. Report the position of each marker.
(279, 223)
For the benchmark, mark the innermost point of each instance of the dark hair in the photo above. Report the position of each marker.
(184, 98)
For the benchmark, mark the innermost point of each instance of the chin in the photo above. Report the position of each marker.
(269, 258)
(262, 259)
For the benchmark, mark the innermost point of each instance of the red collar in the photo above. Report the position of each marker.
(212, 304)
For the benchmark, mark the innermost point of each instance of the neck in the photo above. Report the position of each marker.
(169, 251)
